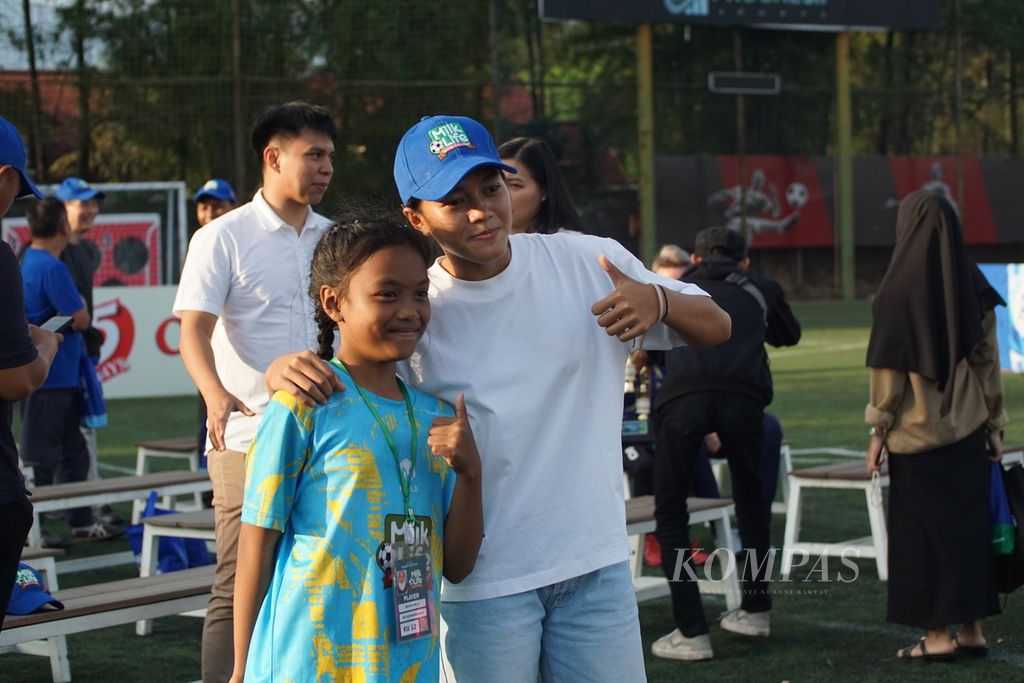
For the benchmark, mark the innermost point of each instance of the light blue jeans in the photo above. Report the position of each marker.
(582, 629)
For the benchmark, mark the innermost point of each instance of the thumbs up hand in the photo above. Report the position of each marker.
(632, 307)
(452, 439)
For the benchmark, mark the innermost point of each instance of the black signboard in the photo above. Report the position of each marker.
(819, 15)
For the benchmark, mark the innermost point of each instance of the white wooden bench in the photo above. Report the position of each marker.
(849, 475)
(180, 448)
(196, 524)
(107, 492)
(640, 522)
(87, 608)
(43, 559)
(842, 475)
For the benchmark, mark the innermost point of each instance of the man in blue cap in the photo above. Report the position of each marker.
(214, 199)
(26, 353)
(81, 203)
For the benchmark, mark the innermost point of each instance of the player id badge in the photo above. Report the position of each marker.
(413, 599)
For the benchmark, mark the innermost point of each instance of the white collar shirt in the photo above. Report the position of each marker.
(251, 270)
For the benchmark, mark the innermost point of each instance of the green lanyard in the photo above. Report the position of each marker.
(402, 479)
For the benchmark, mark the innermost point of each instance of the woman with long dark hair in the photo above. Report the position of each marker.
(540, 199)
(936, 407)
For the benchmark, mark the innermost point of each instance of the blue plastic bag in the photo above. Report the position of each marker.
(1002, 520)
(173, 553)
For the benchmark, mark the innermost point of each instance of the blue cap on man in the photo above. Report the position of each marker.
(75, 188)
(216, 188)
(12, 153)
(438, 152)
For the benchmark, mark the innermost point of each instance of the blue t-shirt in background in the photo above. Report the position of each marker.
(49, 291)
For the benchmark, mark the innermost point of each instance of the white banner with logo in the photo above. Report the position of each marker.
(140, 342)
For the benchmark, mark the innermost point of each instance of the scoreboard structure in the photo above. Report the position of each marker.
(814, 15)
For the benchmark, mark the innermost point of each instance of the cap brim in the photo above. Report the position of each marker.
(28, 604)
(212, 195)
(451, 175)
(28, 187)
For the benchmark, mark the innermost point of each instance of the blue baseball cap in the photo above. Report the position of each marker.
(438, 152)
(76, 188)
(217, 188)
(12, 153)
(29, 592)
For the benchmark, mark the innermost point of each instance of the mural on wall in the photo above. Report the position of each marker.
(787, 202)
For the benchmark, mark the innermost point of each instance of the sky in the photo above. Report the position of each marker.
(44, 18)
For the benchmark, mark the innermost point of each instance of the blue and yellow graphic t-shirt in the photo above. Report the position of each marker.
(326, 478)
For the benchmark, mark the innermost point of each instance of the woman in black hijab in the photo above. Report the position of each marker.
(936, 406)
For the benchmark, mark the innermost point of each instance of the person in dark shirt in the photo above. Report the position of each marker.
(26, 353)
(722, 390)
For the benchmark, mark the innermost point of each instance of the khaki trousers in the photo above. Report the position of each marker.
(227, 474)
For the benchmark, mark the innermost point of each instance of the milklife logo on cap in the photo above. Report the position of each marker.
(446, 137)
(436, 153)
(29, 592)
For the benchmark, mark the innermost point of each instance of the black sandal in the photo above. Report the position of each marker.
(906, 654)
(972, 650)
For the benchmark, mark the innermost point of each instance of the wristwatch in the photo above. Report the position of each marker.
(875, 431)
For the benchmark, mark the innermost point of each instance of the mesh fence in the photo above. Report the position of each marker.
(153, 90)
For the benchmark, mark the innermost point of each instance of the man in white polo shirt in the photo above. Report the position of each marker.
(243, 302)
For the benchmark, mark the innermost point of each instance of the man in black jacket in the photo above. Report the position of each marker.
(723, 390)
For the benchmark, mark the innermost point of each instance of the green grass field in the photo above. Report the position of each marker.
(820, 631)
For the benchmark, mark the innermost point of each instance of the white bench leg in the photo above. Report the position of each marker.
(718, 469)
(60, 665)
(792, 533)
(141, 467)
(879, 535)
(55, 648)
(35, 534)
(147, 567)
(723, 539)
(786, 460)
(193, 463)
(636, 554)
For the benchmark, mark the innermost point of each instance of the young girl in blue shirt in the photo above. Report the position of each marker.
(351, 504)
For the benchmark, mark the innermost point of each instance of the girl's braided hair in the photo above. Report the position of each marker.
(344, 247)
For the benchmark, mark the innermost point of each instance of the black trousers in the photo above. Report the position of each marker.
(681, 426)
(52, 442)
(17, 520)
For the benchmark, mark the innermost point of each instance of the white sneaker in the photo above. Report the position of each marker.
(747, 623)
(677, 646)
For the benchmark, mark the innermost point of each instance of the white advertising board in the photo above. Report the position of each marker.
(140, 354)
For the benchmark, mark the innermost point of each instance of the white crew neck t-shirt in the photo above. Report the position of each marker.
(543, 386)
(251, 270)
